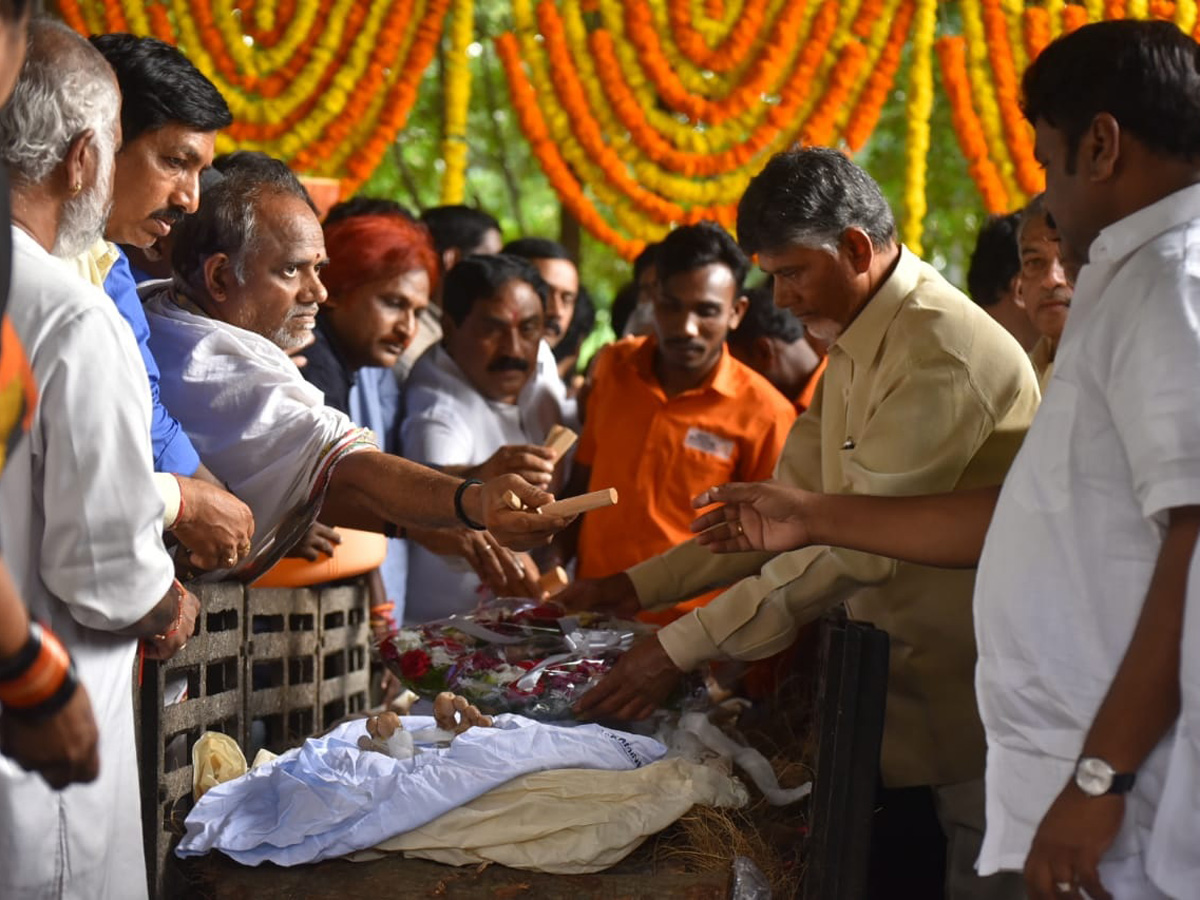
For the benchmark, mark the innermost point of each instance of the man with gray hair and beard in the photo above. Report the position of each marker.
(80, 519)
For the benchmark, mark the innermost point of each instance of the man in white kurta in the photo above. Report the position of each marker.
(448, 422)
(1079, 525)
(81, 522)
(260, 427)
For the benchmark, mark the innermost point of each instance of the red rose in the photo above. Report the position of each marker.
(414, 664)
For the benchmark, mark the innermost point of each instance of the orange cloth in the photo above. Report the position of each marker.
(659, 452)
(805, 399)
(18, 391)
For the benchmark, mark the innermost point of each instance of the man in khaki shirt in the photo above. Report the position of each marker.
(923, 392)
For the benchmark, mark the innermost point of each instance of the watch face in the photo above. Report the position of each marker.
(1094, 776)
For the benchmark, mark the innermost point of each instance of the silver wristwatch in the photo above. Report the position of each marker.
(1096, 778)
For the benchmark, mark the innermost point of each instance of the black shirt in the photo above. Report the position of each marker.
(327, 370)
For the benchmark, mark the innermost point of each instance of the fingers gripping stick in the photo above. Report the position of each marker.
(572, 506)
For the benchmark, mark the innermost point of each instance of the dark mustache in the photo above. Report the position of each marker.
(508, 364)
(172, 215)
(683, 344)
(554, 326)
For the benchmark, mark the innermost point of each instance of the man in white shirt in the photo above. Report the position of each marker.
(474, 405)
(1082, 584)
(80, 519)
(246, 289)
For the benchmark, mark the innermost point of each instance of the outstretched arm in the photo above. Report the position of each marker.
(935, 530)
(369, 489)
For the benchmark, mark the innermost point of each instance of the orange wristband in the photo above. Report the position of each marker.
(45, 679)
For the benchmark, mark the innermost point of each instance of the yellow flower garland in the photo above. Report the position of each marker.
(458, 99)
(920, 108)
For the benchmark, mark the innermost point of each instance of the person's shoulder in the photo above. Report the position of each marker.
(937, 321)
(47, 293)
(754, 392)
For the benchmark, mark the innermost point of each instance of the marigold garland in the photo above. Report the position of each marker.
(457, 101)
(952, 54)
(920, 108)
(316, 77)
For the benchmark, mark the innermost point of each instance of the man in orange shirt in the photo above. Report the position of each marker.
(772, 342)
(674, 411)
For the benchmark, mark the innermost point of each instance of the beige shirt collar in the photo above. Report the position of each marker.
(861, 340)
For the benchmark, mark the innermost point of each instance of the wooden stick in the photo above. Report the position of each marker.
(553, 580)
(573, 506)
(560, 439)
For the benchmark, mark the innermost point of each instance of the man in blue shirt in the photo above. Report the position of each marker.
(170, 116)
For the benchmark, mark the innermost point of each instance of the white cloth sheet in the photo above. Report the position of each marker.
(80, 522)
(256, 423)
(448, 422)
(1078, 528)
(328, 798)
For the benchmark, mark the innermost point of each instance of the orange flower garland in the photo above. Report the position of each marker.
(952, 54)
(737, 46)
(865, 114)
(1074, 17)
(1037, 30)
(324, 84)
(1016, 129)
(525, 102)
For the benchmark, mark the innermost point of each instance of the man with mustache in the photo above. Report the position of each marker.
(474, 406)
(80, 521)
(246, 290)
(671, 411)
(170, 115)
(1043, 284)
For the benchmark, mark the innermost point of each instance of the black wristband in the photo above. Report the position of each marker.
(15, 665)
(458, 507)
(391, 530)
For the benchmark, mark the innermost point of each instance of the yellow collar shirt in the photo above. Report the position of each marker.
(924, 393)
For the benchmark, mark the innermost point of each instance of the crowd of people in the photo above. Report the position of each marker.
(201, 374)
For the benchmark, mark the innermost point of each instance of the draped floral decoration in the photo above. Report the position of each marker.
(981, 71)
(323, 84)
(650, 113)
(457, 101)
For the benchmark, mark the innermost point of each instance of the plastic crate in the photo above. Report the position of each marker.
(345, 665)
(267, 666)
(281, 667)
(211, 666)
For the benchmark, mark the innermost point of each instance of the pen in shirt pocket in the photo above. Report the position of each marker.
(849, 445)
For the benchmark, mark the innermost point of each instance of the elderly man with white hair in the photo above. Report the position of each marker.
(80, 519)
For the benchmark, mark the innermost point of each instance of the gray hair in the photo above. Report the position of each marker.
(66, 88)
(809, 197)
(227, 220)
(1034, 209)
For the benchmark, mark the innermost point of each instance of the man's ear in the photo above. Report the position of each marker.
(739, 310)
(1014, 288)
(1102, 143)
(859, 248)
(218, 276)
(450, 257)
(80, 164)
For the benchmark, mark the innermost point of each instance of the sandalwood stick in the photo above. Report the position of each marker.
(560, 439)
(572, 506)
(554, 580)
